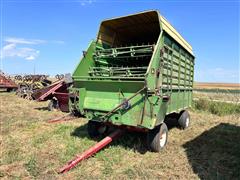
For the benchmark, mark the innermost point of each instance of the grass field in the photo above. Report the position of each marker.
(32, 148)
(204, 85)
(224, 97)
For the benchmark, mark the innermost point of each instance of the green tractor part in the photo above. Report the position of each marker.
(136, 73)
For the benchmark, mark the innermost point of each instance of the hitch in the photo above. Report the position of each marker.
(97, 147)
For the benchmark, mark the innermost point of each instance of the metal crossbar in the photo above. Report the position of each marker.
(121, 61)
(124, 52)
(118, 71)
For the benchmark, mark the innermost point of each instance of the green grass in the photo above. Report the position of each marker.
(31, 167)
(218, 108)
(34, 149)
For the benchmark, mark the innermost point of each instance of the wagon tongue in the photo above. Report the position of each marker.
(88, 153)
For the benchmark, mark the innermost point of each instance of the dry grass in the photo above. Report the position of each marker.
(233, 97)
(32, 148)
(203, 85)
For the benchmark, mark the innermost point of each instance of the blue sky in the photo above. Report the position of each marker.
(51, 35)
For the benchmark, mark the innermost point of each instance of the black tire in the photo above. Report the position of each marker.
(157, 138)
(184, 119)
(76, 113)
(53, 104)
(9, 89)
(95, 129)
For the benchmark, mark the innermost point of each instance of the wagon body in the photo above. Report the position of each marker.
(141, 57)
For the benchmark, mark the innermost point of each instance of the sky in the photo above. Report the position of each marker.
(48, 36)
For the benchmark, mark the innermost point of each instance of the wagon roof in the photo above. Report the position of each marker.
(146, 17)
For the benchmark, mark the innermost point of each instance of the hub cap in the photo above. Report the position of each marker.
(163, 139)
(187, 122)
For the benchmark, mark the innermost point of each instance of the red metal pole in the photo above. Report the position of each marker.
(67, 117)
(86, 154)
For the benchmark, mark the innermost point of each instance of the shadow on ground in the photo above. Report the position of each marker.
(130, 140)
(42, 108)
(215, 154)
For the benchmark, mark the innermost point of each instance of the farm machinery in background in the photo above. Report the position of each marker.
(27, 84)
(7, 83)
(56, 93)
(40, 88)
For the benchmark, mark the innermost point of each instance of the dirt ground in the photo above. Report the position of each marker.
(32, 148)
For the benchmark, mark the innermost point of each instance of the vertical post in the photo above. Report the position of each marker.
(185, 71)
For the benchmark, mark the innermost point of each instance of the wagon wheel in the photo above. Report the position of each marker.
(29, 95)
(57, 77)
(53, 104)
(184, 119)
(20, 78)
(157, 138)
(96, 128)
(75, 113)
(21, 91)
(61, 76)
(43, 77)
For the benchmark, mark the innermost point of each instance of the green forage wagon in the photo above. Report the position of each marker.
(137, 71)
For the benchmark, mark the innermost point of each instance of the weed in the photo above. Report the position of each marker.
(31, 167)
(218, 108)
(1, 174)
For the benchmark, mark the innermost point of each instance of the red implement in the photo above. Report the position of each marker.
(97, 147)
(7, 83)
(68, 117)
(42, 94)
(57, 93)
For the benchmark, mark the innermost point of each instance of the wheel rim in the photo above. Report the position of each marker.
(187, 122)
(163, 139)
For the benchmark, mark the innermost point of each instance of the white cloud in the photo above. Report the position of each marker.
(14, 40)
(11, 50)
(31, 57)
(85, 2)
(13, 47)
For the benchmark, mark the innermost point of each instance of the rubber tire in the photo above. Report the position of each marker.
(53, 104)
(50, 106)
(76, 113)
(93, 129)
(9, 89)
(153, 137)
(182, 121)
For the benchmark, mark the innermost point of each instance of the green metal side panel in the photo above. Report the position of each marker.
(86, 62)
(177, 75)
